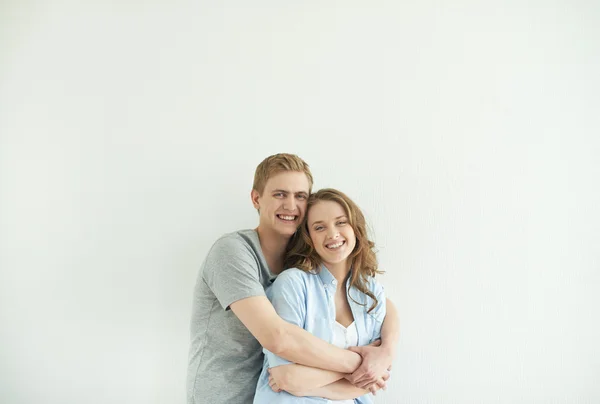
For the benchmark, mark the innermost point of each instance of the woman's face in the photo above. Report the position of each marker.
(330, 232)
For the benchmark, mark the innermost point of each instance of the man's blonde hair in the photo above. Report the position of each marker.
(276, 164)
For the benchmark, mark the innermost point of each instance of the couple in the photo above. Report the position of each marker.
(319, 322)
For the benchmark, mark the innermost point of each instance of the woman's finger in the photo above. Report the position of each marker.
(273, 385)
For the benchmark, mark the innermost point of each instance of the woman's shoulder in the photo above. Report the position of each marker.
(292, 279)
(292, 274)
(373, 284)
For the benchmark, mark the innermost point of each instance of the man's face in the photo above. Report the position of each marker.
(282, 204)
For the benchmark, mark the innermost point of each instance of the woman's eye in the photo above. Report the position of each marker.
(342, 223)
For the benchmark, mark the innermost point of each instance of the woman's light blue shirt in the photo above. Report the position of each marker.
(307, 300)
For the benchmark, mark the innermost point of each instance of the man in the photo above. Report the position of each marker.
(232, 316)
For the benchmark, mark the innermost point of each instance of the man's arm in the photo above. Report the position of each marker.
(377, 360)
(290, 341)
(390, 330)
(231, 272)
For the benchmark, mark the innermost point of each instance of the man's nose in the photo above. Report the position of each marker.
(290, 203)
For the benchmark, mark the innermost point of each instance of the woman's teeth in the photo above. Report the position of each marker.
(335, 246)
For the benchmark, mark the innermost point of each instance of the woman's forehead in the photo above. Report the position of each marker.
(324, 211)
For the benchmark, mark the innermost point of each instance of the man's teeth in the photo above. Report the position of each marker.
(287, 217)
(336, 245)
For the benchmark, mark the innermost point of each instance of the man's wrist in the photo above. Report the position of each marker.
(353, 362)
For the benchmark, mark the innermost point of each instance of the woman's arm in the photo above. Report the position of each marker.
(296, 377)
(339, 390)
(303, 381)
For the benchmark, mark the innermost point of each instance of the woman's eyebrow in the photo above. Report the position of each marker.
(321, 221)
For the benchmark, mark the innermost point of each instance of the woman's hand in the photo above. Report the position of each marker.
(379, 384)
(273, 384)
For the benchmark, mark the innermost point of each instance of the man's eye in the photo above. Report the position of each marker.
(278, 195)
(302, 197)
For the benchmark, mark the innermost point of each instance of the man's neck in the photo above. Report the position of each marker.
(273, 247)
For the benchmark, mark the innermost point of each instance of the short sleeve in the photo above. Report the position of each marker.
(288, 296)
(231, 271)
(379, 311)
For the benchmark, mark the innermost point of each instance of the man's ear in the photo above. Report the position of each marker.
(254, 195)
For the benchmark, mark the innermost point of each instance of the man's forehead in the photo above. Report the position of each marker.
(289, 182)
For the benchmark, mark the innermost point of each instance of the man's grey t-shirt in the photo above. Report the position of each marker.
(225, 360)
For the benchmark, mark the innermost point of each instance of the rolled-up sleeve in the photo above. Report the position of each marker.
(379, 311)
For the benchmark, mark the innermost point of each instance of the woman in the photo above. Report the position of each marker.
(329, 291)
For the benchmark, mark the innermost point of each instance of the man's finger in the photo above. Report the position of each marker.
(357, 349)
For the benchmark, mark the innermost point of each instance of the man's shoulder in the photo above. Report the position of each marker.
(239, 249)
(235, 241)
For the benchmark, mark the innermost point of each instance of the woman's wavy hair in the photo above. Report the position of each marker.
(302, 254)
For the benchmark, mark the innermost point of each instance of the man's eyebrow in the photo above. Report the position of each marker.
(287, 192)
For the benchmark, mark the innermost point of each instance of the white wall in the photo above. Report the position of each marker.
(468, 132)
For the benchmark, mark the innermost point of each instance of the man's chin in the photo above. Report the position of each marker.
(287, 231)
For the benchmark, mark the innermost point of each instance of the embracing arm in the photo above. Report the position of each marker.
(231, 273)
(339, 390)
(290, 341)
(377, 360)
(390, 330)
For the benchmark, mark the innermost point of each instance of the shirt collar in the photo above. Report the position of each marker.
(328, 279)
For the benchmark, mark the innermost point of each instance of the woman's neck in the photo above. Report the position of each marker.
(340, 271)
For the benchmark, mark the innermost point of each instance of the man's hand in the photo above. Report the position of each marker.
(375, 365)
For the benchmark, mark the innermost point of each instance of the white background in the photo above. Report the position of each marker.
(467, 131)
